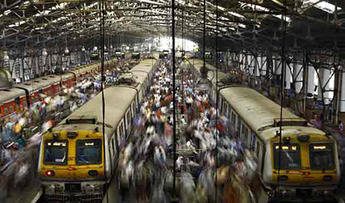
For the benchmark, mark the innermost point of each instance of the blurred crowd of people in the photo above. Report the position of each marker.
(146, 160)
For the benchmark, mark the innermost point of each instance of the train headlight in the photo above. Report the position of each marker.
(50, 173)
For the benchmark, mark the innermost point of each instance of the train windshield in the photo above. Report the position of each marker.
(55, 152)
(89, 151)
(321, 156)
(289, 157)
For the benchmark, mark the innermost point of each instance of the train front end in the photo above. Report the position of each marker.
(302, 164)
(71, 164)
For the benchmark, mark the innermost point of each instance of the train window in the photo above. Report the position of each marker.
(249, 138)
(243, 128)
(258, 149)
(289, 157)
(233, 118)
(89, 151)
(5, 110)
(11, 109)
(238, 125)
(220, 104)
(55, 152)
(229, 111)
(321, 156)
(121, 132)
(253, 141)
(225, 109)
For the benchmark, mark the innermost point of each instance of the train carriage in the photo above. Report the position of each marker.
(16, 97)
(69, 79)
(303, 162)
(9, 100)
(73, 161)
(304, 165)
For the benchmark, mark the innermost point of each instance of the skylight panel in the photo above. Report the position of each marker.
(221, 8)
(7, 12)
(255, 7)
(322, 5)
(17, 24)
(223, 18)
(242, 25)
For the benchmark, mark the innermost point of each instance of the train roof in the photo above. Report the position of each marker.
(145, 65)
(293, 132)
(39, 83)
(256, 110)
(10, 94)
(85, 69)
(211, 74)
(140, 77)
(117, 102)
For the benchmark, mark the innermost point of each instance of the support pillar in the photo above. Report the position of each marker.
(263, 65)
(342, 93)
(326, 83)
(277, 65)
(257, 64)
(298, 76)
(311, 78)
(288, 76)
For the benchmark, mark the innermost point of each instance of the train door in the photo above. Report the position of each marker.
(111, 153)
(143, 91)
(248, 137)
(238, 126)
(225, 107)
(228, 115)
(128, 119)
(220, 104)
(243, 133)
(120, 134)
(259, 152)
(115, 147)
(253, 141)
(133, 110)
(136, 103)
(233, 123)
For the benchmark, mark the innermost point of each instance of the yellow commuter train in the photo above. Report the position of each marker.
(302, 163)
(77, 158)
